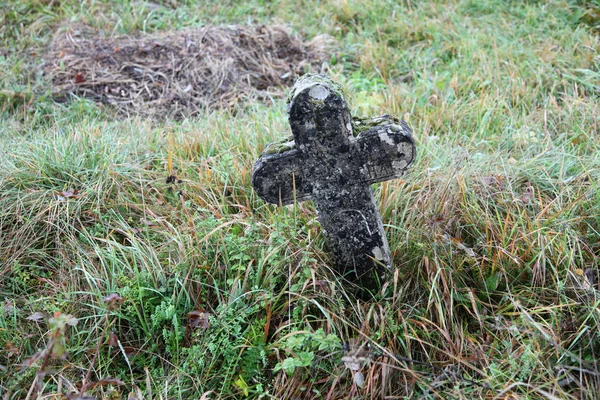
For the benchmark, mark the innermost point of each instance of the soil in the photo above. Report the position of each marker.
(178, 74)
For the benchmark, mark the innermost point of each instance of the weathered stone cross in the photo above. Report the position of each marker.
(333, 160)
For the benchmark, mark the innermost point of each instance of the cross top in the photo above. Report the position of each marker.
(332, 160)
(319, 116)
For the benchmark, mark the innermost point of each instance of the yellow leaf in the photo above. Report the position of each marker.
(242, 385)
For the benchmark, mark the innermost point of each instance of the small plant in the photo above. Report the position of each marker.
(304, 347)
(56, 348)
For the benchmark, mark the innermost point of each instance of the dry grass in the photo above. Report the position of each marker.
(181, 73)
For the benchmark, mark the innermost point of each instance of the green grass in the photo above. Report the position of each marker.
(495, 231)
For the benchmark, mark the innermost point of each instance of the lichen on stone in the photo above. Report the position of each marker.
(280, 146)
(360, 125)
(332, 159)
(309, 80)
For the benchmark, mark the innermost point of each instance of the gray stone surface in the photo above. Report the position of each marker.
(332, 160)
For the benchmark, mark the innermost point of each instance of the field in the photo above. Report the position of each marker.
(136, 261)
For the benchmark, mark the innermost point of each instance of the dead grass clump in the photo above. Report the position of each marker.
(180, 73)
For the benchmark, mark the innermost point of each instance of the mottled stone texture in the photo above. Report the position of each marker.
(327, 163)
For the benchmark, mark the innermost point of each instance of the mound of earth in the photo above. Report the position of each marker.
(180, 73)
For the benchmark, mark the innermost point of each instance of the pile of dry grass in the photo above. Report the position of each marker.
(180, 73)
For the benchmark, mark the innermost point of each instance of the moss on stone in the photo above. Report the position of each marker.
(309, 80)
(360, 125)
(280, 146)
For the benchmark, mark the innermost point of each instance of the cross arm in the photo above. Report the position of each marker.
(278, 178)
(386, 148)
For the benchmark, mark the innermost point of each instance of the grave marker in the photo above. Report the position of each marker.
(333, 160)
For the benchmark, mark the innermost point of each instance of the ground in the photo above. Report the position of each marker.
(179, 74)
(136, 260)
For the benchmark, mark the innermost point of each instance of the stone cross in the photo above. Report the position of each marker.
(332, 160)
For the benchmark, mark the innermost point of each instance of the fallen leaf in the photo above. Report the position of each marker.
(359, 379)
(113, 340)
(112, 300)
(322, 286)
(67, 194)
(466, 249)
(495, 181)
(353, 363)
(9, 308)
(36, 316)
(591, 274)
(528, 195)
(79, 78)
(11, 349)
(102, 382)
(197, 319)
(130, 351)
